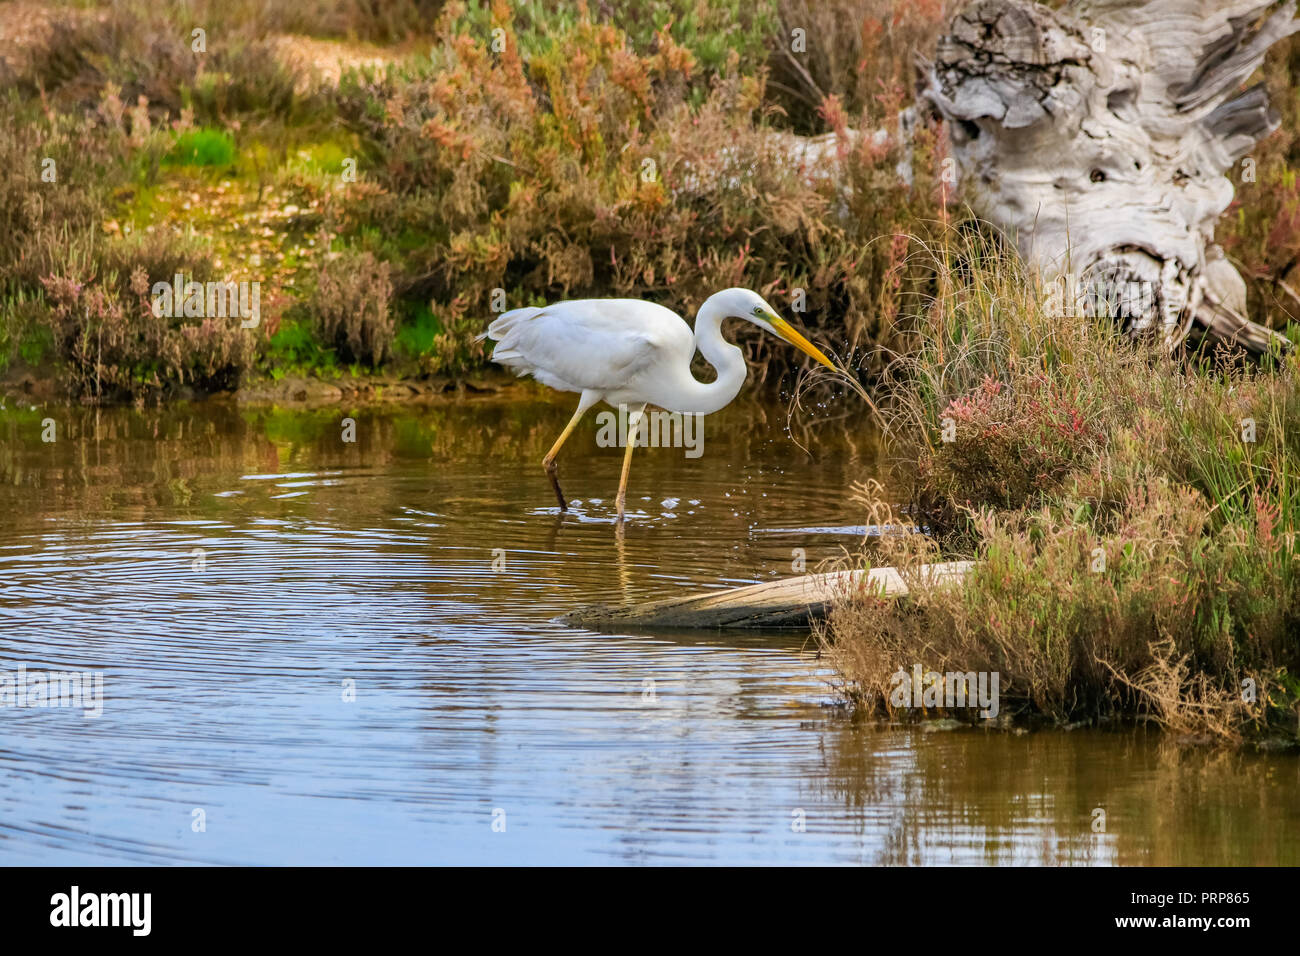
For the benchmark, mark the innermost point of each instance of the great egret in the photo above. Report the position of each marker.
(633, 353)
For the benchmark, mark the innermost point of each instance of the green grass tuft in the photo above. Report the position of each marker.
(202, 147)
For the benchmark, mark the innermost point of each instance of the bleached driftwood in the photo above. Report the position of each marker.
(1098, 137)
(790, 602)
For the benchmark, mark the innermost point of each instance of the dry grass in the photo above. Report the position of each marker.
(351, 307)
(1134, 552)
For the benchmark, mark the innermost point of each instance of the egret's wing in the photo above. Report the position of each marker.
(597, 344)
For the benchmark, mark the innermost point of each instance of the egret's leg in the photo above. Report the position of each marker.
(633, 428)
(548, 463)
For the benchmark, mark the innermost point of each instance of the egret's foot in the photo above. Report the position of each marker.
(552, 469)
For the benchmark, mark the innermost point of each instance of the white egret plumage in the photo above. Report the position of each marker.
(632, 353)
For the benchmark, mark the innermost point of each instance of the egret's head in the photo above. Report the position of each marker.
(752, 307)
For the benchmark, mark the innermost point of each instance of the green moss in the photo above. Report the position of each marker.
(293, 349)
(321, 158)
(417, 331)
(36, 345)
(202, 147)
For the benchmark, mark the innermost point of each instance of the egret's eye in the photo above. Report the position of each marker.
(758, 310)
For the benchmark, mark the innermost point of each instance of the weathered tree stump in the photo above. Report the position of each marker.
(1098, 138)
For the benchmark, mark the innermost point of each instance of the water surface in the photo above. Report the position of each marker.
(238, 575)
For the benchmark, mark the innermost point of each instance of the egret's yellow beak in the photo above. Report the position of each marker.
(791, 335)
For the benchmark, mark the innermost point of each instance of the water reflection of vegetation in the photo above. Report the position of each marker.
(104, 459)
(1163, 804)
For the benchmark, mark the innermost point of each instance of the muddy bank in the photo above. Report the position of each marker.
(39, 386)
(380, 389)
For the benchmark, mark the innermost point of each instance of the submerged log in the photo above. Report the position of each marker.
(1098, 136)
(788, 603)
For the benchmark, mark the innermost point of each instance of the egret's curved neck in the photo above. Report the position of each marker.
(722, 355)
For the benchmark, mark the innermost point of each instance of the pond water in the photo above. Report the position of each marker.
(323, 651)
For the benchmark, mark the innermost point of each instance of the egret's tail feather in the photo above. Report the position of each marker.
(499, 330)
(517, 342)
(505, 330)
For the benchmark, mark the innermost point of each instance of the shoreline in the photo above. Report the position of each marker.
(42, 386)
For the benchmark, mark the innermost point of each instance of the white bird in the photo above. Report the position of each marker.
(633, 353)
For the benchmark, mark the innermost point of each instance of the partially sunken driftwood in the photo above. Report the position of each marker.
(788, 603)
(1099, 138)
